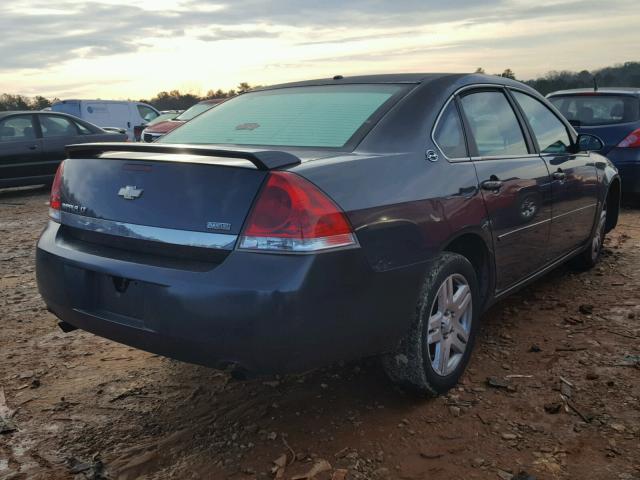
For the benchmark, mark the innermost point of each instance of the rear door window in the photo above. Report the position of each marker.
(494, 125)
(53, 126)
(550, 132)
(597, 109)
(314, 116)
(17, 128)
(82, 129)
(449, 135)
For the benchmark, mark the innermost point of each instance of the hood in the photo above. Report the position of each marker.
(164, 127)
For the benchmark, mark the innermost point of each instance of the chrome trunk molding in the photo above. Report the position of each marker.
(169, 236)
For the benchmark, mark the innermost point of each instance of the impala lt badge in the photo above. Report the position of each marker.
(130, 192)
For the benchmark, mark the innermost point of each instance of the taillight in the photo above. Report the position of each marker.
(632, 140)
(55, 200)
(293, 215)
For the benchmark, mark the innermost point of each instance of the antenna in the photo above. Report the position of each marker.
(595, 84)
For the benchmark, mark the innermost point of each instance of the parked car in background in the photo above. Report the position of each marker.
(313, 222)
(613, 115)
(32, 144)
(163, 117)
(154, 131)
(109, 113)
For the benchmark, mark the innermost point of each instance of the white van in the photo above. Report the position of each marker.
(110, 113)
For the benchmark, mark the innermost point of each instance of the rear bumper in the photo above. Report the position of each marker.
(627, 161)
(264, 313)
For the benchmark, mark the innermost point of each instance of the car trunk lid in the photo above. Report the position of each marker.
(176, 195)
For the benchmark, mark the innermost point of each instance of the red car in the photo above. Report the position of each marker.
(153, 132)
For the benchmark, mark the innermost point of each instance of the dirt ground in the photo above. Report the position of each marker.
(563, 401)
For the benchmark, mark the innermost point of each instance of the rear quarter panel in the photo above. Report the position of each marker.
(403, 208)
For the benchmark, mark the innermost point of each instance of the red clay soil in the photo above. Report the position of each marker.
(563, 400)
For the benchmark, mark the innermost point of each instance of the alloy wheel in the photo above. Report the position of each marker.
(449, 324)
(598, 238)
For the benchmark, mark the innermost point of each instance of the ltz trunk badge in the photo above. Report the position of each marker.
(130, 192)
(218, 226)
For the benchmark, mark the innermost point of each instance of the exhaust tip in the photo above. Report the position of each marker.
(66, 327)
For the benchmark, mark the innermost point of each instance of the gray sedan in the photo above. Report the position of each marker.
(32, 144)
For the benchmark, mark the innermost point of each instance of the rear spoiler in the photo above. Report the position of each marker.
(262, 159)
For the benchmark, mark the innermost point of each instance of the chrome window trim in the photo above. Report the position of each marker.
(504, 157)
(497, 86)
(573, 135)
(435, 127)
(168, 236)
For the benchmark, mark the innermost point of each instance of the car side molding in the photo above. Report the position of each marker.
(262, 159)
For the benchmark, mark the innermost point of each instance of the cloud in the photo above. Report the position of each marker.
(218, 34)
(108, 47)
(39, 38)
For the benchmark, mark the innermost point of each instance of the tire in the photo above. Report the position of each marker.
(418, 364)
(590, 256)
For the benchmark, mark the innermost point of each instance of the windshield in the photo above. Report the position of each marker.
(163, 117)
(598, 109)
(194, 111)
(315, 116)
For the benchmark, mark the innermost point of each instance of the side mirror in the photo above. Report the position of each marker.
(589, 143)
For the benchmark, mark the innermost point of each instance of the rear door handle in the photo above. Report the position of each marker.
(32, 147)
(559, 175)
(492, 185)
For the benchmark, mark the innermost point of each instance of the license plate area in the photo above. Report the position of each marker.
(112, 298)
(120, 296)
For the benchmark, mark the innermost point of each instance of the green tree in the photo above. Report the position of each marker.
(243, 87)
(508, 73)
(13, 102)
(39, 102)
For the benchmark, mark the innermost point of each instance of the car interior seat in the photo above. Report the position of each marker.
(7, 132)
(617, 111)
(585, 114)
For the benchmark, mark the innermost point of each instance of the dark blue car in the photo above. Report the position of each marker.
(307, 223)
(613, 115)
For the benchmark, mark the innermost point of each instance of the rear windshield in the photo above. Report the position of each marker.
(197, 109)
(315, 116)
(598, 109)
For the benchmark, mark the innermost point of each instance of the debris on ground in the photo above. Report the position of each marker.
(552, 392)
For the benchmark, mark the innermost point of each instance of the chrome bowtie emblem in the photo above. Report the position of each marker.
(130, 192)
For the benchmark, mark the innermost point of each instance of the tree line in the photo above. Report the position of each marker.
(173, 100)
(623, 75)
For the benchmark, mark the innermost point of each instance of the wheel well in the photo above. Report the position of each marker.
(474, 249)
(613, 205)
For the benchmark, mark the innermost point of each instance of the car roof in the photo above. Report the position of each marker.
(72, 100)
(604, 90)
(460, 79)
(413, 78)
(32, 112)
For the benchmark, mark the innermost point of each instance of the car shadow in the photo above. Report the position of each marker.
(19, 192)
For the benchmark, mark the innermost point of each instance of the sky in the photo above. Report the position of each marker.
(122, 49)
